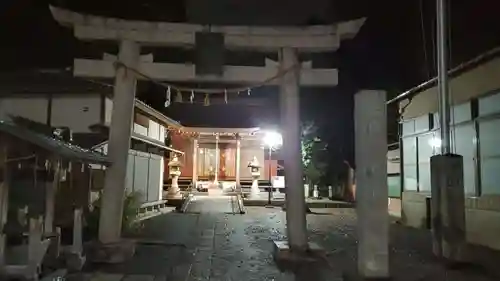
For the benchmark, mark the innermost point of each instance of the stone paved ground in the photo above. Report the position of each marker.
(222, 246)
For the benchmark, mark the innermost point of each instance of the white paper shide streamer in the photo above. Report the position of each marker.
(167, 98)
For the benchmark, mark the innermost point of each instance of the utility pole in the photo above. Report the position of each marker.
(447, 186)
(442, 76)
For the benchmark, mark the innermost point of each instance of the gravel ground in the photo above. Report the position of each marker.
(213, 244)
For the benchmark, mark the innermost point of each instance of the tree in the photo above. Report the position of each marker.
(314, 154)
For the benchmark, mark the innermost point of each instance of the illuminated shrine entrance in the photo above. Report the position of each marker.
(220, 161)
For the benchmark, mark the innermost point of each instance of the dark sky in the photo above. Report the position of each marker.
(393, 51)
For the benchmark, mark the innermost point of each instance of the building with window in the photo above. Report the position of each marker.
(222, 154)
(58, 101)
(475, 133)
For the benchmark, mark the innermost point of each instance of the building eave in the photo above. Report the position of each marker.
(214, 131)
(464, 67)
(151, 112)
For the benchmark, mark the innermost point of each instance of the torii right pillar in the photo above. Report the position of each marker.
(370, 129)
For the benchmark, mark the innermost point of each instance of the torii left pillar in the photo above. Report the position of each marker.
(296, 248)
(110, 222)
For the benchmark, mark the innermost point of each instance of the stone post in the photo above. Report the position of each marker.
(330, 192)
(195, 163)
(110, 222)
(50, 196)
(238, 162)
(77, 246)
(217, 156)
(290, 114)
(371, 184)
(76, 259)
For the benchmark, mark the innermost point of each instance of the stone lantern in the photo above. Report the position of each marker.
(175, 171)
(255, 170)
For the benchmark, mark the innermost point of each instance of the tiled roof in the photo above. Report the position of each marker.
(56, 146)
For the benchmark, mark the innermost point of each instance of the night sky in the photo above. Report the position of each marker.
(394, 50)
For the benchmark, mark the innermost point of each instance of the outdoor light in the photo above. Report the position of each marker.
(273, 139)
(435, 142)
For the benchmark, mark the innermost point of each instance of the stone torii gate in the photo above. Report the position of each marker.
(288, 42)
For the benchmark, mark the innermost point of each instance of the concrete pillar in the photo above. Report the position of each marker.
(217, 156)
(371, 184)
(238, 162)
(118, 145)
(448, 207)
(295, 201)
(195, 162)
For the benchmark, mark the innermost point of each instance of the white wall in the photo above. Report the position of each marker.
(141, 130)
(76, 112)
(464, 87)
(28, 107)
(154, 130)
(162, 134)
(145, 175)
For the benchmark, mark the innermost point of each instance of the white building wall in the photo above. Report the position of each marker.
(28, 107)
(141, 130)
(468, 85)
(76, 112)
(154, 130)
(162, 134)
(144, 174)
(475, 136)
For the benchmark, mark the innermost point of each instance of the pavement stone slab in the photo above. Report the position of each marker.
(106, 277)
(213, 245)
(138, 277)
